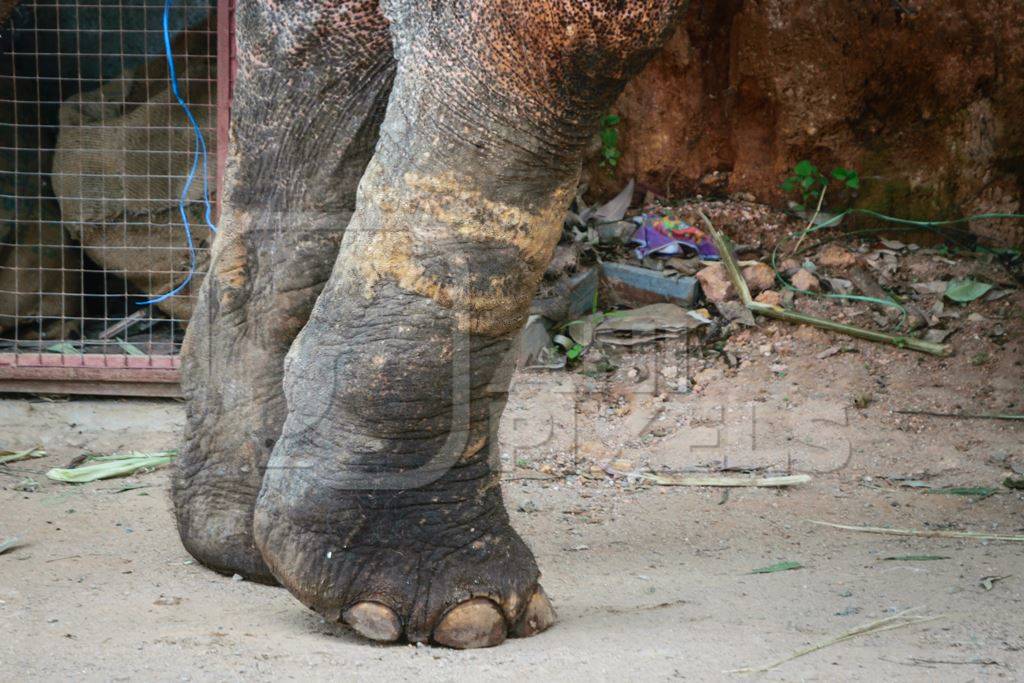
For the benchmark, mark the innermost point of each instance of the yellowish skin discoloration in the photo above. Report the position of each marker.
(445, 207)
(232, 264)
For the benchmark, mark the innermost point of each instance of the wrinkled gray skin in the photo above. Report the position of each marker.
(380, 503)
(313, 80)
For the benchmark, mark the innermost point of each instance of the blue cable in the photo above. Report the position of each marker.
(200, 152)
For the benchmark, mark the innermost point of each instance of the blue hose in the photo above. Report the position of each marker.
(200, 152)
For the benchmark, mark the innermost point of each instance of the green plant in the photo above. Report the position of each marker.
(610, 152)
(810, 182)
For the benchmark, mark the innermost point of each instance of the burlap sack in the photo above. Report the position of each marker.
(39, 265)
(119, 169)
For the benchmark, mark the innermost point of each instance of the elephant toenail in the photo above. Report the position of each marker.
(374, 621)
(474, 623)
(538, 616)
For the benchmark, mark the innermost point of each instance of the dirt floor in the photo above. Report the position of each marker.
(651, 582)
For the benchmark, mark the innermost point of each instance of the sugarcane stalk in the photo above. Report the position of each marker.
(725, 250)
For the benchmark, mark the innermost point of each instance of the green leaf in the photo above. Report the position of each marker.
(915, 558)
(1015, 484)
(966, 291)
(789, 184)
(853, 182)
(575, 352)
(129, 348)
(805, 168)
(107, 466)
(779, 567)
(611, 120)
(15, 456)
(807, 183)
(840, 173)
(66, 348)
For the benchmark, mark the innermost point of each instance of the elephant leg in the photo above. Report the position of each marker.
(313, 79)
(381, 505)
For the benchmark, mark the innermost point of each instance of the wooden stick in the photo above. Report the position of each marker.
(928, 533)
(727, 482)
(962, 416)
(886, 624)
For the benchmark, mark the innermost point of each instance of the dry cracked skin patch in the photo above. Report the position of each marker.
(499, 251)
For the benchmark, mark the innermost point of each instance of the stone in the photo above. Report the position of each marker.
(834, 256)
(759, 277)
(714, 282)
(621, 465)
(635, 287)
(804, 280)
(770, 297)
(789, 266)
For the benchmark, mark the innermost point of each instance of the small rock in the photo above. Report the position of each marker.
(759, 277)
(688, 267)
(705, 377)
(715, 284)
(789, 266)
(237, 577)
(829, 352)
(770, 297)
(805, 281)
(671, 372)
(167, 600)
(736, 312)
(834, 256)
(621, 465)
(528, 506)
(615, 233)
(937, 336)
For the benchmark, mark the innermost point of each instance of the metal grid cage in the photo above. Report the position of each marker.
(95, 156)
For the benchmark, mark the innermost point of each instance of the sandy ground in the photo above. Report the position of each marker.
(651, 582)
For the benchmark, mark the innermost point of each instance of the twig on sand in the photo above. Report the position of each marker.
(961, 416)
(726, 482)
(887, 624)
(724, 245)
(923, 533)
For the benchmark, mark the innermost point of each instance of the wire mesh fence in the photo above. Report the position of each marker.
(95, 159)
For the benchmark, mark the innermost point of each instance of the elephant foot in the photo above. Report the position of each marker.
(439, 564)
(381, 504)
(307, 108)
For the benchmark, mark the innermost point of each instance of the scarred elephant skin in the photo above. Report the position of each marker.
(398, 179)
